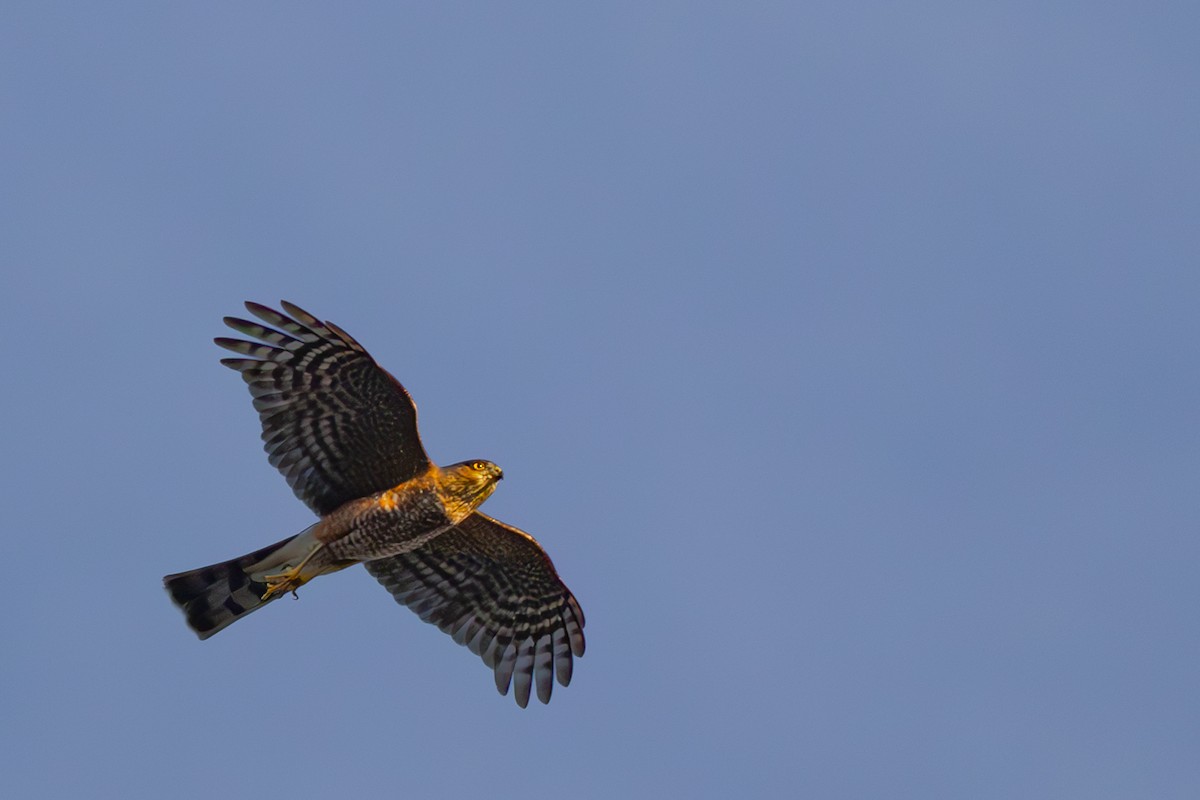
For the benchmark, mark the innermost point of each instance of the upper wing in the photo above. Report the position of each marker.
(335, 423)
(492, 587)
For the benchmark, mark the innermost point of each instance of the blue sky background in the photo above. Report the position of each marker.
(843, 356)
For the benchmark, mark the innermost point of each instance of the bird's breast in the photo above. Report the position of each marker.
(391, 522)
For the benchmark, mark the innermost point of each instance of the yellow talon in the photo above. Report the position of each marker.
(289, 580)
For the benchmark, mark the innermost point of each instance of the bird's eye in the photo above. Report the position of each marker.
(479, 465)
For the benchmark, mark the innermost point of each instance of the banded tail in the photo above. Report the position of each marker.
(214, 597)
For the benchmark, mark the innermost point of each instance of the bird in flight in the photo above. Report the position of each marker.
(343, 432)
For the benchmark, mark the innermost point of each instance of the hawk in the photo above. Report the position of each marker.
(343, 432)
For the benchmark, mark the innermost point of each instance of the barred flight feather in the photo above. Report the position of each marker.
(335, 423)
(523, 673)
(492, 588)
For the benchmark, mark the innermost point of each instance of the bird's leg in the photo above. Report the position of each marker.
(289, 580)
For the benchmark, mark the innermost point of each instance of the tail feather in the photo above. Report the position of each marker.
(216, 596)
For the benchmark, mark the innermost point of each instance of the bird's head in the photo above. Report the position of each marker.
(467, 484)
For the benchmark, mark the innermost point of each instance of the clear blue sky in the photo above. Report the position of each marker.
(844, 357)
